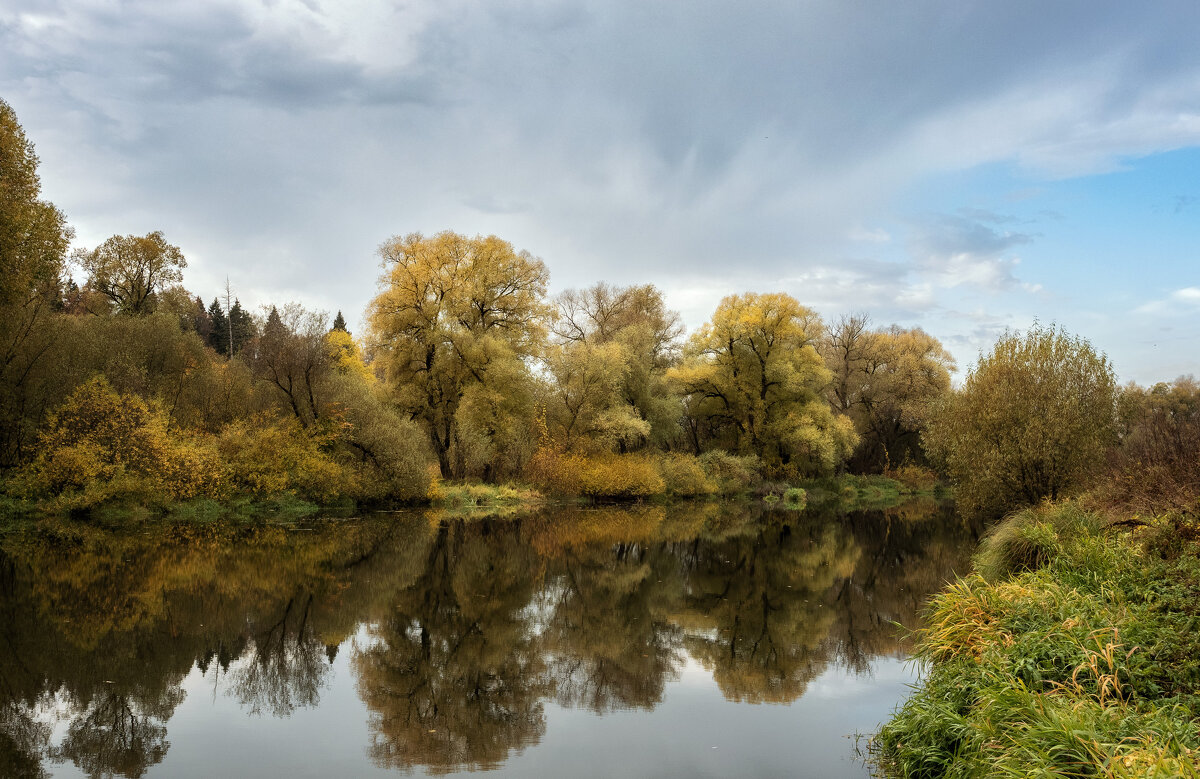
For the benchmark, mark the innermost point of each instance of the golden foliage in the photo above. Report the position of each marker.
(101, 444)
(455, 312)
(754, 382)
(598, 476)
(267, 456)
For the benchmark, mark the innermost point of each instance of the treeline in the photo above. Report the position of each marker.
(127, 384)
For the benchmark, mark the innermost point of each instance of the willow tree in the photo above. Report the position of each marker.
(754, 383)
(888, 382)
(1033, 420)
(33, 243)
(455, 320)
(612, 349)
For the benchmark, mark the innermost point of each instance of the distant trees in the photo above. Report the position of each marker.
(753, 384)
(1033, 420)
(452, 327)
(130, 270)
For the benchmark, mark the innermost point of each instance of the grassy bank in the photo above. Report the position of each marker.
(1074, 650)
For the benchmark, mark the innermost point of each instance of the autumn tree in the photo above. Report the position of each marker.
(131, 270)
(1033, 420)
(612, 348)
(291, 356)
(34, 237)
(887, 382)
(457, 316)
(754, 384)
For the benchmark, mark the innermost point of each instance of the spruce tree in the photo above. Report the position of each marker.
(242, 325)
(218, 337)
(339, 323)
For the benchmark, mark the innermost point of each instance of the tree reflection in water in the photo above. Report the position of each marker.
(472, 627)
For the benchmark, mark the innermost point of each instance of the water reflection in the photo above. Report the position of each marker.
(472, 628)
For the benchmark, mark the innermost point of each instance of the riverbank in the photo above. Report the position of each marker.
(477, 499)
(1073, 650)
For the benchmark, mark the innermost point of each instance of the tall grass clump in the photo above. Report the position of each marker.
(1072, 652)
(1031, 538)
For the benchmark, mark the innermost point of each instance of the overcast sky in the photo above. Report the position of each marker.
(962, 167)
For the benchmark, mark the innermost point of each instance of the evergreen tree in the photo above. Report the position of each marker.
(242, 325)
(274, 326)
(218, 337)
(339, 323)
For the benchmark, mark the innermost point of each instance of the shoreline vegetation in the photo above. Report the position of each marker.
(1072, 650)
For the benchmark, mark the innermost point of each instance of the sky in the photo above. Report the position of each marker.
(963, 167)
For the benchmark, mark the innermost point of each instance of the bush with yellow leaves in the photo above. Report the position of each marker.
(101, 445)
(620, 476)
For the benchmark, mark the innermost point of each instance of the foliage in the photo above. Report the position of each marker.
(613, 346)
(1155, 469)
(454, 312)
(913, 479)
(888, 382)
(474, 500)
(1082, 667)
(1033, 420)
(292, 355)
(131, 270)
(101, 445)
(34, 237)
(684, 475)
(754, 381)
(732, 474)
(389, 454)
(596, 476)
(265, 455)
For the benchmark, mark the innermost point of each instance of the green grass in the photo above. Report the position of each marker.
(852, 492)
(474, 499)
(1077, 655)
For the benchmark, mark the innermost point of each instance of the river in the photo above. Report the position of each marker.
(693, 640)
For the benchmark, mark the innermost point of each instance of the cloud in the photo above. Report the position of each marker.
(281, 141)
(1183, 301)
(951, 250)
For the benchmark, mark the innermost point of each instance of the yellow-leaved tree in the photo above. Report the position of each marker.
(456, 319)
(753, 383)
(613, 346)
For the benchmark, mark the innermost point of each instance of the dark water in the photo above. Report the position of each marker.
(686, 641)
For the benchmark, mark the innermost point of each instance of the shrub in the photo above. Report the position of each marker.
(913, 478)
(266, 456)
(684, 475)
(600, 476)
(795, 497)
(733, 475)
(389, 455)
(1156, 469)
(101, 445)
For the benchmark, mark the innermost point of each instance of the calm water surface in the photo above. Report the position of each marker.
(686, 641)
